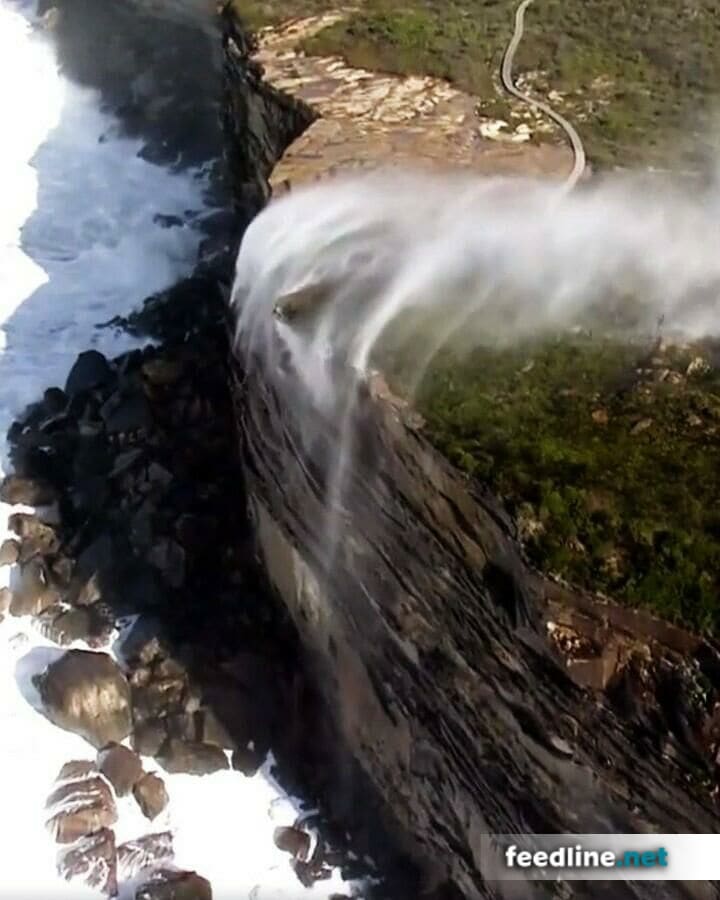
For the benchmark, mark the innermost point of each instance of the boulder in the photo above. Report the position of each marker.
(34, 593)
(151, 795)
(148, 737)
(87, 693)
(170, 885)
(121, 766)
(147, 852)
(142, 644)
(64, 626)
(92, 861)
(294, 841)
(192, 758)
(91, 370)
(158, 698)
(16, 491)
(126, 413)
(80, 807)
(247, 760)
(9, 552)
(76, 769)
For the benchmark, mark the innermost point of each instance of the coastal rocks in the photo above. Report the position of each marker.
(87, 693)
(91, 861)
(170, 885)
(80, 807)
(91, 370)
(17, 491)
(121, 766)
(151, 795)
(192, 758)
(145, 853)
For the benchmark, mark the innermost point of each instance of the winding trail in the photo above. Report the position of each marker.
(509, 85)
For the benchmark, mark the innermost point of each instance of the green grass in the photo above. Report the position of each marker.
(557, 429)
(641, 79)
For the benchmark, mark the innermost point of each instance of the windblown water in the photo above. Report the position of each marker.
(331, 269)
(79, 244)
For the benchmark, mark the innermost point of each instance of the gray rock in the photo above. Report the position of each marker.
(80, 807)
(121, 766)
(172, 885)
(151, 795)
(9, 552)
(33, 594)
(87, 693)
(92, 861)
(192, 758)
(147, 852)
(148, 737)
(27, 491)
(91, 370)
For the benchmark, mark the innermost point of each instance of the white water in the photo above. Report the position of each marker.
(488, 259)
(78, 246)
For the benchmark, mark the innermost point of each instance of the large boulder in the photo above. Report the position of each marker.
(87, 693)
(90, 370)
(92, 861)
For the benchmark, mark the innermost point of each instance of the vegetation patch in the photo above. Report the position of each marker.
(608, 455)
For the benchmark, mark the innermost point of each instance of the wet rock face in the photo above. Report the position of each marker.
(91, 370)
(151, 795)
(91, 861)
(169, 885)
(121, 766)
(87, 693)
(145, 853)
(80, 806)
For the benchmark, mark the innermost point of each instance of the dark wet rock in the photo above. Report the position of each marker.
(76, 769)
(148, 737)
(151, 795)
(60, 571)
(80, 807)
(97, 557)
(169, 668)
(27, 491)
(121, 766)
(159, 476)
(91, 370)
(63, 626)
(89, 591)
(142, 644)
(126, 413)
(33, 593)
(213, 731)
(54, 401)
(192, 758)
(5, 600)
(169, 558)
(147, 852)
(127, 461)
(92, 861)
(247, 760)
(163, 372)
(183, 726)
(87, 693)
(171, 885)
(158, 698)
(9, 552)
(294, 841)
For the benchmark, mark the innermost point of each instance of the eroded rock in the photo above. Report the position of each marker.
(87, 693)
(145, 853)
(92, 861)
(151, 795)
(79, 807)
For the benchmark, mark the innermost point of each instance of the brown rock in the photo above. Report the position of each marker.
(80, 807)
(34, 594)
(5, 600)
(148, 737)
(158, 698)
(87, 693)
(294, 841)
(213, 731)
(641, 426)
(192, 758)
(76, 769)
(600, 417)
(92, 861)
(247, 761)
(63, 626)
(151, 795)
(169, 885)
(9, 552)
(122, 767)
(27, 491)
(145, 853)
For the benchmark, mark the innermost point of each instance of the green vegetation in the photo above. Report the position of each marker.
(611, 465)
(639, 79)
